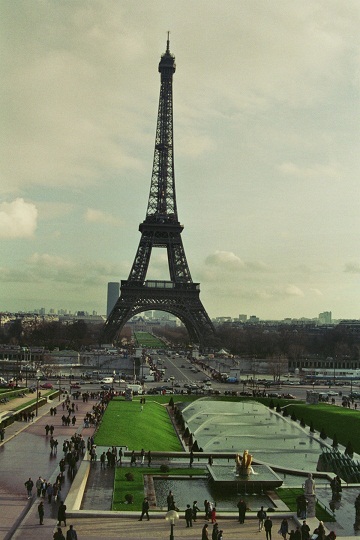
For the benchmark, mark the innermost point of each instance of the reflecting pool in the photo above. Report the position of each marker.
(223, 426)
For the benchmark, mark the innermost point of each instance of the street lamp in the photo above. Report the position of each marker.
(37, 395)
(59, 381)
(172, 516)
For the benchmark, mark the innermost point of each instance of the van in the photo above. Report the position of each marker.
(107, 380)
(136, 388)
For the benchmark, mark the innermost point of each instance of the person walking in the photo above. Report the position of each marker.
(267, 527)
(188, 515)
(58, 535)
(62, 513)
(149, 458)
(261, 515)
(305, 531)
(242, 510)
(71, 534)
(41, 512)
(195, 510)
(205, 532)
(215, 532)
(29, 484)
(284, 528)
(170, 501)
(145, 509)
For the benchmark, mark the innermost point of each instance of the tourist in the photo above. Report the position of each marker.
(41, 512)
(71, 534)
(38, 486)
(305, 531)
(149, 458)
(215, 532)
(261, 515)
(62, 513)
(145, 509)
(58, 535)
(29, 484)
(191, 459)
(195, 510)
(268, 527)
(213, 514)
(242, 510)
(220, 535)
(204, 532)
(170, 501)
(133, 458)
(284, 528)
(297, 535)
(188, 515)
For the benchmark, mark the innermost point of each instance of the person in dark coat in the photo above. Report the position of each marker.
(41, 512)
(145, 509)
(188, 515)
(267, 527)
(204, 532)
(62, 513)
(242, 510)
(58, 535)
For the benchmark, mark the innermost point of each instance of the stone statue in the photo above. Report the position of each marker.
(309, 487)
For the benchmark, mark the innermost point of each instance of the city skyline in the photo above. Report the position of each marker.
(266, 138)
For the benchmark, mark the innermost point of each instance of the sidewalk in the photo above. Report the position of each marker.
(25, 453)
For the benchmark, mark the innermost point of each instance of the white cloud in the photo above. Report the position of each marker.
(18, 219)
(317, 171)
(229, 262)
(98, 216)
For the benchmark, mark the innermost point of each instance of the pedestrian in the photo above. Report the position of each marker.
(210, 461)
(120, 456)
(102, 460)
(261, 515)
(38, 486)
(188, 515)
(49, 492)
(29, 484)
(205, 532)
(2, 433)
(133, 458)
(215, 532)
(213, 514)
(284, 528)
(267, 527)
(62, 513)
(149, 458)
(41, 512)
(170, 501)
(142, 454)
(145, 509)
(220, 535)
(297, 535)
(191, 459)
(71, 533)
(195, 510)
(242, 510)
(305, 531)
(58, 535)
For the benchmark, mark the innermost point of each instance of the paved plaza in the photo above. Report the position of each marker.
(25, 453)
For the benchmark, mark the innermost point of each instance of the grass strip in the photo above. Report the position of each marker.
(289, 496)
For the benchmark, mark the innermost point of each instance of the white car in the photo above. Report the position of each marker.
(107, 380)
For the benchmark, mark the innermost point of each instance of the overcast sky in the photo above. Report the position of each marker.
(266, 143)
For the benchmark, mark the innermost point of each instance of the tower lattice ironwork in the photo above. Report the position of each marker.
(161, 229)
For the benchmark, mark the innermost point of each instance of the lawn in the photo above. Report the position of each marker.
(147, 340)
(345, 423)
(124, 424)
(289, 496)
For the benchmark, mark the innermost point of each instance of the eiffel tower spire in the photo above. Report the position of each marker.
(161, 229)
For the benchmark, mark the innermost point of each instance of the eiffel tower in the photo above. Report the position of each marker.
(161, 229)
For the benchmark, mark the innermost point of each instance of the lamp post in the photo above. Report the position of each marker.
(172, 516)
(37, 395)
(59, 381)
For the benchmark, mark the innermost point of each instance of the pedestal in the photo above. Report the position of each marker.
(310, 512)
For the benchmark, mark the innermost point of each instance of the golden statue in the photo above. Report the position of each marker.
(243, 465)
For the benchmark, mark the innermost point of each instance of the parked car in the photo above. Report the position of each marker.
(47, 386)
(75, 385)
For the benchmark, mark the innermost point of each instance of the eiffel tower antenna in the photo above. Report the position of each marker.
(161, 229)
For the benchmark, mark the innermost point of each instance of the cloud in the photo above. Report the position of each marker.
(352, 268)
(18, 219)
(42, 268)
(98, 216)
(317, 171)
(228, 261)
